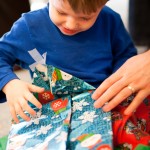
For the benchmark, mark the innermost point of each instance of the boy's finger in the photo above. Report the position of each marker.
(33, 100)
(24, 104)
(20, 112)
(13, 114)
(34, 88)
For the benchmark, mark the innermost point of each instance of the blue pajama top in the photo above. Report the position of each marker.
(91, 55)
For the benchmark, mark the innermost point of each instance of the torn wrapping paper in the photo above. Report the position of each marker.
(67, 120)
(90, 128)
(47, 130)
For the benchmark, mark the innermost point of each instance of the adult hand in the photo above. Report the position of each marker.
(18, 93)
(132, 77)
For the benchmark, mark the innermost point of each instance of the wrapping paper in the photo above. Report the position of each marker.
(67, 120)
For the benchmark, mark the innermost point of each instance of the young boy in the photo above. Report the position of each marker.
(81, 37)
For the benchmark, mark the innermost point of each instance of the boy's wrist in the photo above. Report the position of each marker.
(8, 85)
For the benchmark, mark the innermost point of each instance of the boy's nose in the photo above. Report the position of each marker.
(71, 23)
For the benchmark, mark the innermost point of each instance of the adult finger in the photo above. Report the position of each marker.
(111, 92)
(105, 85)
(121, 96)
(136, 102)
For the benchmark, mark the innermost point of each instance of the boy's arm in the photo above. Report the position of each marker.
(13, 46)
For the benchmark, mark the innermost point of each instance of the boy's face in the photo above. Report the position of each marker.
(68, 21)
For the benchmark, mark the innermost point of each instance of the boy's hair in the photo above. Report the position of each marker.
(86, 6)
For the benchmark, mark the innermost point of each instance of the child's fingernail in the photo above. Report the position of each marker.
(28, 119)
(34, 114)
(17, 122)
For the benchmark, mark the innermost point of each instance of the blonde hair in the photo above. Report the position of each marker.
(86, 6)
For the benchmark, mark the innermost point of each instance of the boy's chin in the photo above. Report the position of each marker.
(68, 33)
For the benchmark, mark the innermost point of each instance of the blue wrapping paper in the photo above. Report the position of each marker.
(67, 120)
(90, 127)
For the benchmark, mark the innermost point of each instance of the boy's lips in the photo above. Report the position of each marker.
(65, 30)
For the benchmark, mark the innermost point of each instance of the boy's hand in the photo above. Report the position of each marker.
(18, 93)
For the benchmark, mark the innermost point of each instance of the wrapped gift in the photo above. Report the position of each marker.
(67, 120)
(90, 128)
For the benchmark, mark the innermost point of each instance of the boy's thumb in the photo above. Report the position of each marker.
(37, 89)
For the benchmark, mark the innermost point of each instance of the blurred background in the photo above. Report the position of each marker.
(134, 13)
